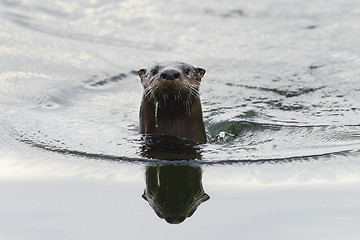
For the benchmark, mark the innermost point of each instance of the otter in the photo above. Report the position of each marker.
(174, 192)
(171, 104)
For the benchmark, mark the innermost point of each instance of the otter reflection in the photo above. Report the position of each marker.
(174, 192)
(166, 147)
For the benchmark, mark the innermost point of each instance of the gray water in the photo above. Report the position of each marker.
(281, 108)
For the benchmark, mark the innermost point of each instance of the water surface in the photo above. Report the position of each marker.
(281, 109)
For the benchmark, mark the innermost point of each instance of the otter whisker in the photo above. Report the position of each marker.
(147, 92)
(193, 91)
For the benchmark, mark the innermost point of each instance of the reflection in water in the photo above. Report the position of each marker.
(166, 147)
(174, 192)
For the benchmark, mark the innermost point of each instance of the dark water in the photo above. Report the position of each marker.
(281, 109)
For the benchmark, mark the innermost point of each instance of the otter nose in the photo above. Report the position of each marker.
(170, 74)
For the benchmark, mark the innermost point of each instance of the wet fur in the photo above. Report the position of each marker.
(172, 108)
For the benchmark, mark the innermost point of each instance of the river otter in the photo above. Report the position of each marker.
(171, 104)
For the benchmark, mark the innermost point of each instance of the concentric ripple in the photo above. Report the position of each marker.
(69, 85)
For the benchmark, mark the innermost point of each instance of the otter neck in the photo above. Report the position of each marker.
(176, 117)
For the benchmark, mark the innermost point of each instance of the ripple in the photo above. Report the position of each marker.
(286, 92)
(139, 160)
(26, 22)
(94, 82)
(237, 127)
(235, 143)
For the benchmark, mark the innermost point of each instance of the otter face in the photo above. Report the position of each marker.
(174, 78)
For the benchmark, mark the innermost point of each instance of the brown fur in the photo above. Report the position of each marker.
(172, 107)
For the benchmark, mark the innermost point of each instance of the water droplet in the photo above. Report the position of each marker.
(156, 114)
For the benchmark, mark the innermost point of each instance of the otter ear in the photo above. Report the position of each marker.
(142, 72)
(200, 72)
(144, 196)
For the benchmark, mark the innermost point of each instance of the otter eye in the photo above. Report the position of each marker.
(154, 71)
(187, 71)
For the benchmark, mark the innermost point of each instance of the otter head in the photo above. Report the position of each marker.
(168, 80)
(171, 104)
